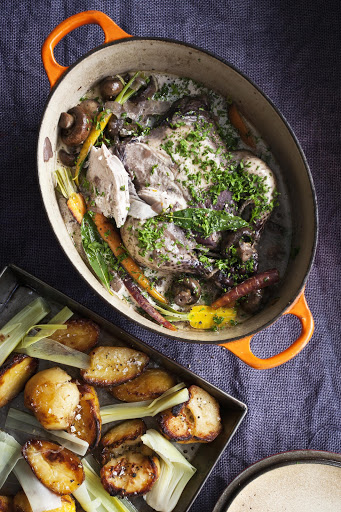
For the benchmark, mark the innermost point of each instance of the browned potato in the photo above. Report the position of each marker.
(80, 335)
(132, 474)
(6, 504)
(176, 427)
(122, 438)
(56, 467)
(197, 420)
(87, 422)
(114, 365)
(149, 385)
(21, 504)
(14, 374)
(53, 398)
(205, 413)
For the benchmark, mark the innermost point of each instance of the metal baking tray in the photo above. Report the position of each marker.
(18, 288)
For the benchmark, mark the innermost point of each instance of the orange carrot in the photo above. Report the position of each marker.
(238, 122)
(113, 239)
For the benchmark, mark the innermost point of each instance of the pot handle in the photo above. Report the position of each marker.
(112, 32)
(242, 349)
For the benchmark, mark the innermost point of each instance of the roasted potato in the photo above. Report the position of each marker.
(21, 504)
(147, 386)
(53, 398)
(122, 438)
(87, 422)
(132, 474)
(80, 335)
(14, 374)
(197, 420)
(6, 504)
(176, 426)
(205, 413)
(114, 365)
(56, 467)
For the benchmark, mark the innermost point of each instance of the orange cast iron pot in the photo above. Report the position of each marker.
(122, 52)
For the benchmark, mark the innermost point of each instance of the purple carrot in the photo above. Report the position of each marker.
(144, 304)
(256, 282)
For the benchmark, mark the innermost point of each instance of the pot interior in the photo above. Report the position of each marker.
(180, 59)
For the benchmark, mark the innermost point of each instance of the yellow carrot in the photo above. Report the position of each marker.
(101, 122)
(95, 132)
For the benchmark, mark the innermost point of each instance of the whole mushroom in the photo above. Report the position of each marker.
(75, 126)
(90, 107)
(186, 291)
(110, 87)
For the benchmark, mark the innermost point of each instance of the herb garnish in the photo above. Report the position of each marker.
(205, 221)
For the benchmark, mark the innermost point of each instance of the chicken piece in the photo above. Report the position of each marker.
(170, 250)
(109, 184)
(166, 165)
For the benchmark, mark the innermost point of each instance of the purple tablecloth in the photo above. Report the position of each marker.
(291, 50)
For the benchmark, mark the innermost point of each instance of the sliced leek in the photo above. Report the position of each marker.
(52, 350)
(10, 451)
(95, 488)
(175, 473)
(56, 323)
(25, 422)
(84, 499)
(173, 396)
(28, 316)
(40, 497)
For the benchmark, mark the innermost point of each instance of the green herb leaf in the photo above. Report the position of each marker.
(206, 221)
(95, 249)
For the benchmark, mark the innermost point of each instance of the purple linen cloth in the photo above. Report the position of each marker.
(291, 50)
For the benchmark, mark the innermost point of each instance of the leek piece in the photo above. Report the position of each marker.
(56, 352)
(44, 332)
(173, 396)
(95, 488)
(40, 497)
(10, 451)
(29, 315)
(25, 422)
(175, 473)
(83, 497)
(56, 323)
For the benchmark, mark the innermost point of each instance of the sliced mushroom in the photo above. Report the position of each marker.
(234, 238)
(147, 92)
(110, 87)
(113, 127)
(79, 130)
(66, 158)
(253, 302)
(186, 291)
